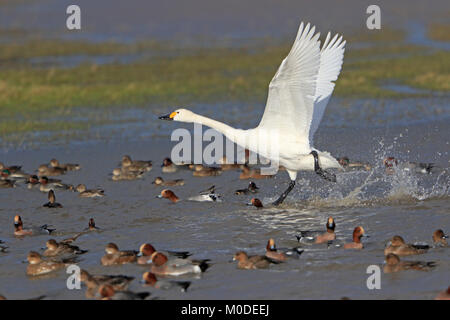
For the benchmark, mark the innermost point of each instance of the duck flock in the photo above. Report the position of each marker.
(162, 267)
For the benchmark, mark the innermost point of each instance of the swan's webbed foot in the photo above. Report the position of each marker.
(323, 173)
(285, 193)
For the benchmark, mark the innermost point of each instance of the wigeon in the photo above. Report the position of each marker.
(52, 201)
(107, 292)
(161, 182)
(319, 236)
(282, 254)
(252, 188)
(93, 282)
(62, 248)
(38, 266)
(115, 256)
(398, 246)
(89, 193)
(163, 267)
(135, 165)
(353, 165)
(146, 251)
(251, 262)
(358, 233)
(149, 279)
(256, 203)
(440, 238)
(66, 166)
(20, 231)
(393, 264)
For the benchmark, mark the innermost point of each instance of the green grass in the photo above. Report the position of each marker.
(30, 96)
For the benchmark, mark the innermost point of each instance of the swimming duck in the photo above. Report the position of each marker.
(169, 194)
(443, 295)
(38, 266)
(208, 196)
(20, 231)
(393, 264)
(93, 282)
(33, 181)
(202, 171)
(168, 166)
(254, 173)
(281, 255)
(51, 201)
(252, 188)
(47, 184)
(149, 279)
(115, 256)
(319, 236)
(6, 183)
(44, 170)
(358, 233)
(91, 225)
(440, 238)
(256, 203)
(251, 262)
(416, 167)
(161, 182)
(163, 267)
(352, 165)
(66, 166)
(123, 174)
(398, 246)
(107, 292)
(89, 193)
(135, 165)
(146, 251)
(12, 169)
(5, 174)
(62, 248)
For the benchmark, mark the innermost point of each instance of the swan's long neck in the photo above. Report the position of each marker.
(235, 135)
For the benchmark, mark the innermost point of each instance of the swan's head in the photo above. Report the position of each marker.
(182, 115)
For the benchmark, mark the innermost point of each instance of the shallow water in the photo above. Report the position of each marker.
(410, 205)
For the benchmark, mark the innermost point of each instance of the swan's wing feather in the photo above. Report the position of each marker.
(290, 102)
(331, 58)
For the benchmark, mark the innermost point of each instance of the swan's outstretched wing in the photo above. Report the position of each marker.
(331, 58)
(289, 107)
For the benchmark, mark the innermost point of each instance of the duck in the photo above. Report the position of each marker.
(89, 193)
(18, 175)
(443, 295)
(440, 238)
(66, 166)
(149, 279)
(202, 171)
(91, 225)
(107, 292)
(248, 173)
(93, 282)
(146, 251)
(281, 255)
(169, 194)
(52, 201)
(353, 165)
(161, 182)
(115, 256)
(256, 203)
(45, 170)
(398, 246)
(207, 195)
(46, 184)
(38, 266)
(358, 233)
(393, 264)
(123, 174)
(204, 196)
(251, 262)
(162, 266)
(319, 236)
(62, 248)
(135, 165)
(415, 167)
(6, 183)
(20, 231)
(252, 188)
(33, 182)
(13, 168)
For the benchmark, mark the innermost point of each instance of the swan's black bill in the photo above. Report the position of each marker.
(165, 117)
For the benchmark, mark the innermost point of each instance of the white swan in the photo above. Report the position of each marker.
(298, 95)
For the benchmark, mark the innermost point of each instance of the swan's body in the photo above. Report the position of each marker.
(298, 95)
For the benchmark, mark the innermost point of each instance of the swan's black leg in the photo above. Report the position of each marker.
(285, 193)
(323, 173)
